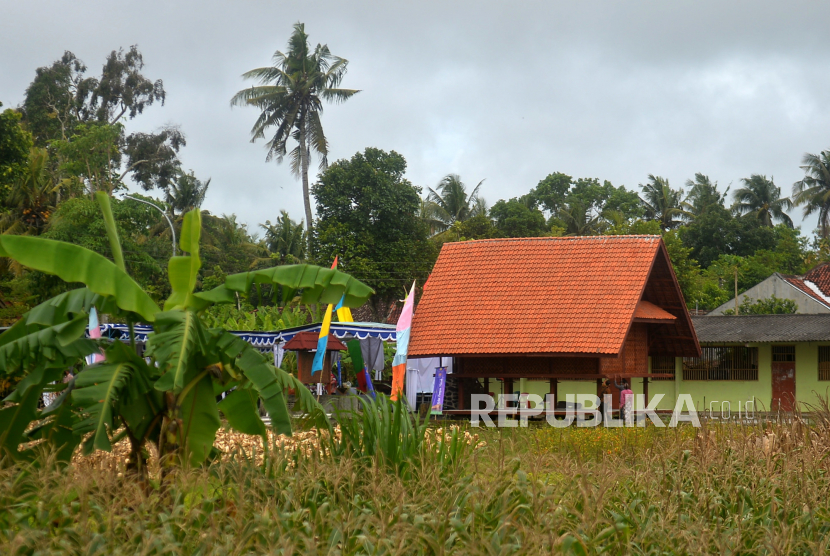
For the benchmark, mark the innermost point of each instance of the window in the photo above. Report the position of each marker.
(722, 363)
(824, 363)
(783, 354)
(662, 365)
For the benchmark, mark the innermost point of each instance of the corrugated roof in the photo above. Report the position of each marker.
(574, 295)
(763, 328)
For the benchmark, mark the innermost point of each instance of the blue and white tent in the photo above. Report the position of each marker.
(266, 341)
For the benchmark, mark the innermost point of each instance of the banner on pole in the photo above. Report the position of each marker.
(438, 387)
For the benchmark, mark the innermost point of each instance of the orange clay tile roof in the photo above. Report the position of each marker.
(820, 276)
(574, 295)
(798, 282)
(647, 310)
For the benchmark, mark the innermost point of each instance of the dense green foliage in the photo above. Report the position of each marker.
(168, 397)
(769, 306)
(368, 215)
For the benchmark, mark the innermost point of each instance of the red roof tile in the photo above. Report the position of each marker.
(647, 310)
(798, 282)
(820, 276)
(539, 295)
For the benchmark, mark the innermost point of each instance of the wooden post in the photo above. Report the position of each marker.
(554, 389)
(645, 389)
(508, 389)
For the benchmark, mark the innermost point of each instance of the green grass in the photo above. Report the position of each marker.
(724, 490)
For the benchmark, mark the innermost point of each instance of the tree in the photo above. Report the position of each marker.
(286, 239)
(32, 199)
(92, 156)
(769, 306)
(515, 218)
(55, 99)
(550, 192)
(15, 145)
(703, 194)
(451, 203)
(578, 219)
(760, 198)
(662, 203)
(290, 97)
(369, 218)
(169, 399)
(64, 107)
(716, 231)
(813, 191)
(187, 193)
(144, 238)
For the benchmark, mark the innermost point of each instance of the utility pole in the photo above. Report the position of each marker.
(736, 291)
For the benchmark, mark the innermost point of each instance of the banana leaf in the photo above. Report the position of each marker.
(101, 390)
(14, 420)
(184, 271)
(200, 421)
(240, 409)
(60, 345)
(319, 285)
(73, 263)
(56, 430)
(178, 337)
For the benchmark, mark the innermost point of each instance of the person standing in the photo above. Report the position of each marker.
(604, 388)
(626, 400)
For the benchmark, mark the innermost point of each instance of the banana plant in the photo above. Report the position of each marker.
(167, 396)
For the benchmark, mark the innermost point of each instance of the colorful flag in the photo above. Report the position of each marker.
(344, 314)
(95, 334)
(402, 339)
(323, 340)
(438, 387)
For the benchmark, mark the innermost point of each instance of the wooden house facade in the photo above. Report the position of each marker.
(552, 311)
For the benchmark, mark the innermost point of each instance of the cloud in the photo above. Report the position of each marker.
(484, 89)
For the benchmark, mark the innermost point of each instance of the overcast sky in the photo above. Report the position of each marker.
(613, 90)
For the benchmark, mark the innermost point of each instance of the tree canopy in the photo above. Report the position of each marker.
(368, 216)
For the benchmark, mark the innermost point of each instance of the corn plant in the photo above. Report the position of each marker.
(167, 399)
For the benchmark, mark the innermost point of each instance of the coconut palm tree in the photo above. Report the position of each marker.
(186, 193)
(702, 195)
(32, 199)
(451, 203)
(578, 220)
(662, 203)
(813, 191)
(760, 198)
(285, 238)
(290, 97)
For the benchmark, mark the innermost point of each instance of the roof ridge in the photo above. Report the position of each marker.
(557, 238)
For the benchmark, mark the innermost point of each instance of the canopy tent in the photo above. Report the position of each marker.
(266, 341)
(419, 371)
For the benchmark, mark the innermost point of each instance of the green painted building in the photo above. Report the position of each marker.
(762, 361)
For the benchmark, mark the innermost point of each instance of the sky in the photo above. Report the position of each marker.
(508, 92)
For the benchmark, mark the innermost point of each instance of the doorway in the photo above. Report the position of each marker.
(783, 378)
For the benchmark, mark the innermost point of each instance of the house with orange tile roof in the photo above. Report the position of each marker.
(554, 314)
(811, 292)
